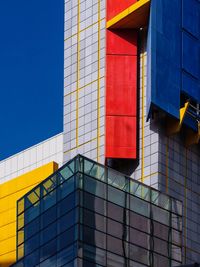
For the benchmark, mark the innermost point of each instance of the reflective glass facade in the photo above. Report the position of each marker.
(86, 214)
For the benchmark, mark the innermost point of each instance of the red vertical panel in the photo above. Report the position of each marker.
(121, 94)
(114, 7)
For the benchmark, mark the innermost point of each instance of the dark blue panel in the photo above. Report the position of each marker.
(173, 55)
(191, 17)
(190, 56)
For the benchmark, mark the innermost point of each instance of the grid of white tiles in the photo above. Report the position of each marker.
(84, 65)
(33, 157)
(166, 164)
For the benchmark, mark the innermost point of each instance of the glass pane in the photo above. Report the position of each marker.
(176, 237)
(139, 254)
(20, 206)
(160, 199)
(140, 206)
(20, 237)
(67, 204)
(177, 206)
(161, 246)
(32, 228)
(118, 197)
(48, 250)
(66, 255)
(116, 212)
(49, 200)
(139, 238)
(32, 212)
(95, 170)
(67, 221)
(93, 237)
(176, 253)
(67, 172)
(66, 188)
(140, 222)
(115, 261)
(117, 229)
(20, 252)
(94, 254)
(48, 216)
(118, 180)
(139, 190)
(161, 231)
(32, 259)
(94, 187)
(51, 261)
(31, 244)
(49, 185)
(48, 233)
(160, 261)
(160, 215)
(116, 245)
(93, 220)
(67, 238)
(94, 203)
(176, 222)
(20, 221)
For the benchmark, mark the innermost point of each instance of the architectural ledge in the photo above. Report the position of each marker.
(134, 17)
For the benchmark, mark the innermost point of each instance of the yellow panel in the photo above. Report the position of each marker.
(10, 192)
(7, 259)
(134, 17)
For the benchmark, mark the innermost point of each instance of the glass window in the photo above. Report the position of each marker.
(160, 215)
(31, 213)
(48, 200)
(32, 228)
(176, 222)
(94, 187)
(161, 231)
(140, 206)
(93, 220)
(118, 197)
(94, 203)
(48, 216)
(139, 254)
(118, 180)
(48, 233)
(32, 259)
(140, 222)
(66, 255)
(31, 244)
(48, 250)
(176, 253)
(117, 229)
(67, 204)
(160, 199)
(49, 262)
(176, 237)
(67, 220)
(94, 254)
(159, 261)
(93, 237)
(161, 246)
(117, 246)
(136, 264)
(66, 188)
(139, 190)
(20, 251)
(139, 238)
(67, 238)
(67, 171)
(114, 260)
(94, 170)
(115, 212)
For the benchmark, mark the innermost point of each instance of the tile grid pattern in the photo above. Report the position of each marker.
(167, 165)
(31, 158)
(84, 79)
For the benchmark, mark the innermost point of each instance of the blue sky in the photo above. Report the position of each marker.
(31, 72)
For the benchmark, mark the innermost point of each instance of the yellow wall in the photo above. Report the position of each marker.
(10, 192)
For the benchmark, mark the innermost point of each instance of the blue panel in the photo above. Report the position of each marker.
(173, 55)
(191, 56)
(191, 17)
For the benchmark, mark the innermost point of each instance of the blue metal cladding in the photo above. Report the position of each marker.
(173, 54)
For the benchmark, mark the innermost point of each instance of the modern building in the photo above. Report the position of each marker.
(86, 214)
(131, 102)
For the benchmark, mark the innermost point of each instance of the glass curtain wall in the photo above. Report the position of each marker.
(89, 215)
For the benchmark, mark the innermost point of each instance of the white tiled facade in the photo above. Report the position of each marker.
(33, 157)
(163, 161)
(166, 164)
(84, 83)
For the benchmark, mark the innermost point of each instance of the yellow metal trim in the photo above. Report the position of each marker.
(143, 114)
(78, 73)
(183, 112)
(174, 126)
(126, 12)
(98, 90)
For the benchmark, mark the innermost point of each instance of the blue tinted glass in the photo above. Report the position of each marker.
(48, 250)
(66, 255)
(67, 221)
(67, 204)
(66, 188)
(48, 233)
(31, 244)
(48, 216)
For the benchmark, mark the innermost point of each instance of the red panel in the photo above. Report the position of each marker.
(114, 7)
(121, 94)
(121, 137)
(122, 42)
